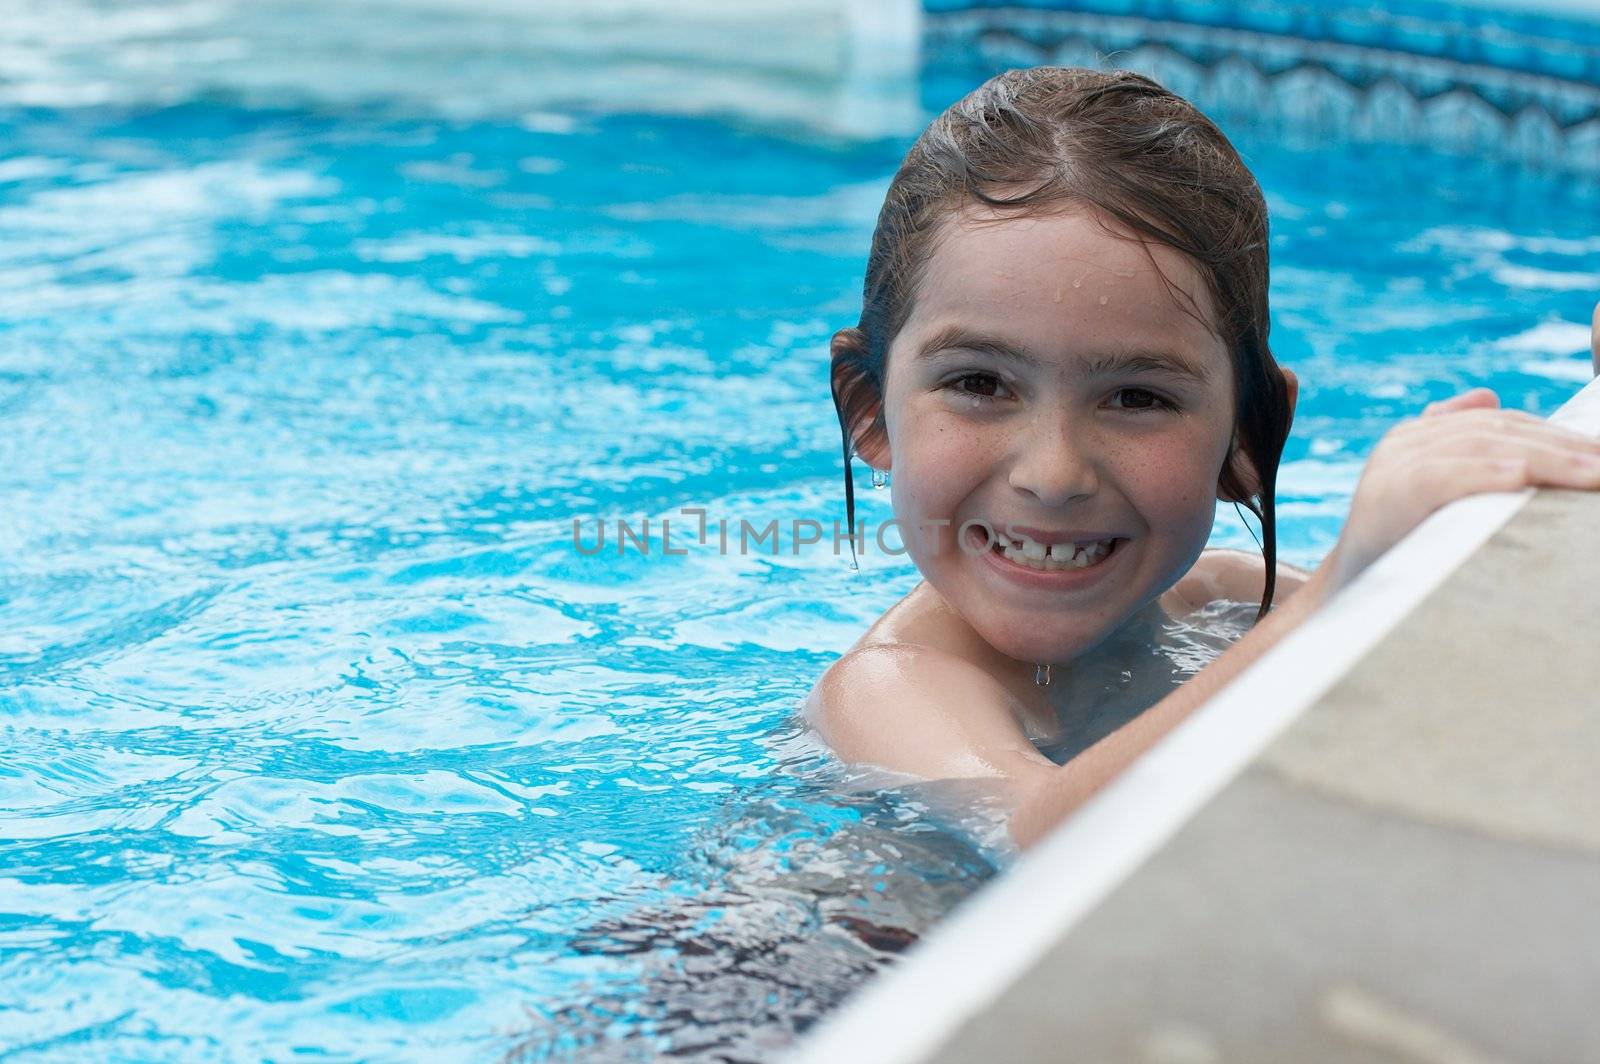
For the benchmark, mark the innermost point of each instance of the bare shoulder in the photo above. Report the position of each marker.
(918, 709)
(1230, 575)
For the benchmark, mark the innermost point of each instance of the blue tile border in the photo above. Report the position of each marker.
(1466, 79)
(1529, 41)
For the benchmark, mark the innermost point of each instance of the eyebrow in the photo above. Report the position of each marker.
(1130, 360)
(954, 337)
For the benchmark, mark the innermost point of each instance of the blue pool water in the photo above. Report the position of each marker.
(319, 736)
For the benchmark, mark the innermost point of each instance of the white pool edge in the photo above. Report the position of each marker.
(969, 961)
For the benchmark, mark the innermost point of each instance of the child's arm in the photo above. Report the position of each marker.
(1459, 447)
(1075, 782)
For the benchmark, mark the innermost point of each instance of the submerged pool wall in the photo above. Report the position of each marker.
(1379, 842)
(1519, 80)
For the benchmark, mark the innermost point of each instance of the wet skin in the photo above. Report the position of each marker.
(1048, 379)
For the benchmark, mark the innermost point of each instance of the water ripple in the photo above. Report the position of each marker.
(318, 734)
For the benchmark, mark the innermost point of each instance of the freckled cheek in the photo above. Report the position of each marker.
(937, 466)
(1175, 489)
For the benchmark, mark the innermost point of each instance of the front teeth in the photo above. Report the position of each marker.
(1057, 556)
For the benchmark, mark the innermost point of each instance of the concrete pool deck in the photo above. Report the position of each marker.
(1404, 869)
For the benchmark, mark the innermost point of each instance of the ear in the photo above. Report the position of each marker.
(858, 398)
(1239, 480)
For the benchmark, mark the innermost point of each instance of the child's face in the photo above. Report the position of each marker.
(1048, 381)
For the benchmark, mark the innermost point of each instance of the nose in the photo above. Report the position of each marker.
(1056, 461)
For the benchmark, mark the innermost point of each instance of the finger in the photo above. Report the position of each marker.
(1427, 431)
(1448, 479)
(1475, 399)
(1480, 436)
(1551, 468)
(1594, 339)
(1540, 454)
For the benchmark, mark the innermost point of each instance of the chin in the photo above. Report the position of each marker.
(1055, 643)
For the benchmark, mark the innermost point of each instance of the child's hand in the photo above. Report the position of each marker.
(1594, 339)
(1458, 447)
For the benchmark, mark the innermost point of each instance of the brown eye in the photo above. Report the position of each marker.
(985, 384)
(1137, 399)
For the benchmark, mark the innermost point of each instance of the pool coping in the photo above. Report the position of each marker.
(970, 961)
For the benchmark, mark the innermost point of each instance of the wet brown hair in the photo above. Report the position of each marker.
(1044, 139)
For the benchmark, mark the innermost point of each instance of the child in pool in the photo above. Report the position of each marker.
(1062, 357)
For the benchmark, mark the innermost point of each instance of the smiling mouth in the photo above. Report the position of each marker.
(1054, 557)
